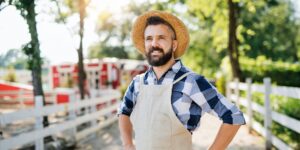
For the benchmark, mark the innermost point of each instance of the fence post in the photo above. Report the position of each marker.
(21, 98)
(39, 143)
(72, 116)
(249, 103)
(268, 111)
(93, 110)
(237, 92)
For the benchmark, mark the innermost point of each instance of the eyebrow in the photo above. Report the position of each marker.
(161, 35)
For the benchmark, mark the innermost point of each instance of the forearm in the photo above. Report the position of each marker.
(224, 136)
(125, 127)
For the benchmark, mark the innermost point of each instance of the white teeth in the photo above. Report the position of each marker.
(156, 52)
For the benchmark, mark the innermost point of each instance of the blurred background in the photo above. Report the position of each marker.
(54, 54)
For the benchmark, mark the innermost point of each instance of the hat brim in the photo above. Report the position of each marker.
(182, 35)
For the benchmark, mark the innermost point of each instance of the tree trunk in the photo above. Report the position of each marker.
(81, 72)
(232, 41)
(34, 57)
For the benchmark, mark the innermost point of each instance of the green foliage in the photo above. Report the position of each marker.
(114, 31)
(221, 83)
(263, 28)
(13, 57)
(101, 51)
(281, 73)
(200, 57)
(11, 75)
(33, 55)
(213, 17)
(290, 107)
(284, 105)
(268, 28)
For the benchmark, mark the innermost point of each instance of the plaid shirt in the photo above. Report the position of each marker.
(191, 97)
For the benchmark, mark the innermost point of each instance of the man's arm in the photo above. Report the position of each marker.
(125, 127)
(224, 136)
(214, 103)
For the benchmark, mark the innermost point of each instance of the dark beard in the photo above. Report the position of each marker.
(160, 61)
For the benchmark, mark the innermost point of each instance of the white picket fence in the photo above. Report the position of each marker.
(17, 99)
(233, 93)
(69, 124)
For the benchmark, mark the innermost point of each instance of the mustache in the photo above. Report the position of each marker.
(152, 49)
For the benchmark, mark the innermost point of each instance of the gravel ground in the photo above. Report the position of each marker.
(109, 138)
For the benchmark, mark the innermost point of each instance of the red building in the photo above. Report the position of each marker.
(101, 74)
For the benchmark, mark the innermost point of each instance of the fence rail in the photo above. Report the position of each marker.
(268, 114)
(23, 98)
(71, 123)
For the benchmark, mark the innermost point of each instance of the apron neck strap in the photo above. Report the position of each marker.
(141, 78)
(180, 78)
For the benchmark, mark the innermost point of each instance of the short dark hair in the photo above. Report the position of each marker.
(156, 20)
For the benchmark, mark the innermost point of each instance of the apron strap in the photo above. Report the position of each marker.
(141, 79)
(180, 78)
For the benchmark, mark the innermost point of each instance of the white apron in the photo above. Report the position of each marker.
(154, 122)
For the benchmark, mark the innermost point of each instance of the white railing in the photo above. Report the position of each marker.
(69, 124)
(23, 98)
(268, 114)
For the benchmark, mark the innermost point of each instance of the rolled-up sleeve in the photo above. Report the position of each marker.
(212, 102)
(128, 101)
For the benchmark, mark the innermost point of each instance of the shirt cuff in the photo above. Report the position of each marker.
(234, 119)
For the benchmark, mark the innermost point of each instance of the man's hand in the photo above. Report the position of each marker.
(125, 127)
(224, 136)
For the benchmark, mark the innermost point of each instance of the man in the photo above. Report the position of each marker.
(164, 105)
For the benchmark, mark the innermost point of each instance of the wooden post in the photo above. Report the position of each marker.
(39, 144)
(249, 103)
(268, 111)
(21, 99)
(72, 116)
(93, 110)
(237, 92)
(54, 97)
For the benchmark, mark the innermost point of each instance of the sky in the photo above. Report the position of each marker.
(57, 43)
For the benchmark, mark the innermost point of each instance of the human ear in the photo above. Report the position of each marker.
(174, 45)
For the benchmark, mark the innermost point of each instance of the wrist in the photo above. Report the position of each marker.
(127, 144)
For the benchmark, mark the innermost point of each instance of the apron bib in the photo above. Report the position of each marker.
(155, 124)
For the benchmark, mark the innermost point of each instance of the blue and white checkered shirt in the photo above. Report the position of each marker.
(191, 97)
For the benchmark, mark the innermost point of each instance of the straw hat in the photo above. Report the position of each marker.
(181, 31)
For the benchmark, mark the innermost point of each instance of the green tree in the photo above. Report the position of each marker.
(11, 75)
(269, 28)
(233, 41)
(75, 7)
(13, 57)
(31, 49)
(114, 33)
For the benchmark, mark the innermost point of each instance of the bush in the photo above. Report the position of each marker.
(281, 73)
(289, 107)
(10, 76)
(221, 83)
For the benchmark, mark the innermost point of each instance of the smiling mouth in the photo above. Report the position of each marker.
(156, 52)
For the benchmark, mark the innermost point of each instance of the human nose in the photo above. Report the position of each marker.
(154, 42)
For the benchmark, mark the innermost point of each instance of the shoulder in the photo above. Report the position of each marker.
(137, 80)
(197, 80)
(192, 76)
(140, 77)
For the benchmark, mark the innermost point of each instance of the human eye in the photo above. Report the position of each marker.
(148, 38)
(161, 37)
